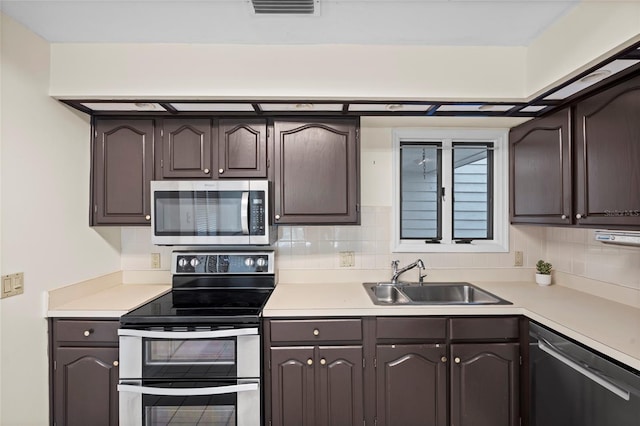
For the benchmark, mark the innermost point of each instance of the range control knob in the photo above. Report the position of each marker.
(194, 262)
(249, 262)
(182, 262)
(261, 262)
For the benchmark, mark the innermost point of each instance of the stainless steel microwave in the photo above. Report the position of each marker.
(188, 213)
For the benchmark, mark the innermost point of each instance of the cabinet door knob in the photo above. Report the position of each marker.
(277, 217)
(220, 171)
(148, 217)
(443, 359)
(206, 171)
(323, 361)
(116, 363)
(87, 332)
(564, 216)
(580, 216)
(316, 332)
(309, 361)
(456, 360)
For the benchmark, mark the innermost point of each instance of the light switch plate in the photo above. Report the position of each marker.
(12, 285)
(347, 259)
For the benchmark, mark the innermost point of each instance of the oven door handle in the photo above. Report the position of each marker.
(187, 334)
(217, 390)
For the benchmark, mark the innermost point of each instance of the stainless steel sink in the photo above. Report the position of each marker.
(441, 293)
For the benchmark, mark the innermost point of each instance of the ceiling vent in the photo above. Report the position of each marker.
(285, 7)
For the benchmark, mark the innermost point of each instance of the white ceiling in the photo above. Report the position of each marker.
(394, 22)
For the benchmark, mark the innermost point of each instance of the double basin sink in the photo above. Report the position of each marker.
(439, 293)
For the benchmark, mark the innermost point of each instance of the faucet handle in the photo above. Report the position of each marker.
(394, 265)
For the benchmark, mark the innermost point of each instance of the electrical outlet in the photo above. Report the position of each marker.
(155, 260)
(519, 259)
(347, 259)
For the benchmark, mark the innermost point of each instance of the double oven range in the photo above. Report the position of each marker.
(192, 356)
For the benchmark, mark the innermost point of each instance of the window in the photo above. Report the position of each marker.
(450, 190)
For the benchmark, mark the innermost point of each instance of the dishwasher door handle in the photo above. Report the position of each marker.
(585, 371)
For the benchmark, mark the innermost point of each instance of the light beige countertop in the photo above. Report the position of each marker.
(103, 297)
(606, 326)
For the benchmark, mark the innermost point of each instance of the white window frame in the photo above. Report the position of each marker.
(499, 137)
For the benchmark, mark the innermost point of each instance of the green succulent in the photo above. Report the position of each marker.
(543, 267)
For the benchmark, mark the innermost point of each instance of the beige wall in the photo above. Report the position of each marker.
(589, 33)
(316, 71)
(44, 182)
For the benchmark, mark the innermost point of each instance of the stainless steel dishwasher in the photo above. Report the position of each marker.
(574, 386)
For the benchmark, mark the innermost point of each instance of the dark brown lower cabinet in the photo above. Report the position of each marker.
(320, 386)
(484, 384)
(85, 390)
(412, 385)
(84, 372)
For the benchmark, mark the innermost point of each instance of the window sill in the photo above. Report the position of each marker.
(474, 247)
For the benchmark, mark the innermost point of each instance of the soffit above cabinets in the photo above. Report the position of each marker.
(615, 68)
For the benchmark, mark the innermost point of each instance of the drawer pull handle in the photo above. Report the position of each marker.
(87, 333)
(323, 361)
(456, 360)
(316, 332)
(309, 361)
(116, 363)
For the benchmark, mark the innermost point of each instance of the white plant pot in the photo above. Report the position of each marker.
(543, 279)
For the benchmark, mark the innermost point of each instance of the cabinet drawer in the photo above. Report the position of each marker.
(497, 328)
(316, 330)
(80, 331)
(411, 328)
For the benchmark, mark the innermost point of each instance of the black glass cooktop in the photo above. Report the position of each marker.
(201, 307)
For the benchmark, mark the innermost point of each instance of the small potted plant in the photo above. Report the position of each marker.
(543, 272)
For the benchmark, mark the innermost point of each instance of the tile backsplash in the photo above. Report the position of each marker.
(300, 248)
(576, 252)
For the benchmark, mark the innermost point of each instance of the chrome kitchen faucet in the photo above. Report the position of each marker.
(397, 272)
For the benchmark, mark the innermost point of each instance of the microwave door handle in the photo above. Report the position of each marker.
(217, 390)
(181, 335)
(244, 212)
(584, 370)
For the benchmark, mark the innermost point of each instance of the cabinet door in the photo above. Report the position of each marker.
(340, 387)
(242, 148)
(85, 389)
(608, 157)
(411, 385)
(292, 386)
(186, 149)
(122, 172)
(540, 170)
(316, 172)
(485, 384)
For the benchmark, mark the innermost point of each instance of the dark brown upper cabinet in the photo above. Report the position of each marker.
(317, 168)
(122, 171)
(540, 172)
(242, 148)
(607, 157)
(186, 149)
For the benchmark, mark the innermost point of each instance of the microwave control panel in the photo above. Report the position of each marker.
(258, 213)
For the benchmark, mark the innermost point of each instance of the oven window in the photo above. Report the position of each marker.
(191, 351)
(190, 359)
(211, 410)
(191, 415)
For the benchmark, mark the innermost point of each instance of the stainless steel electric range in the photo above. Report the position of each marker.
(192, 355)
